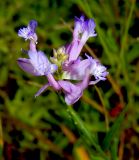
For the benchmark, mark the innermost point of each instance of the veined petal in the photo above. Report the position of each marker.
(66, 85)
(83, 26)
(83, 29)
(26, 66)
(73, 52)
(88, 31)
(41, 63)
(78, 27)
(77, 70)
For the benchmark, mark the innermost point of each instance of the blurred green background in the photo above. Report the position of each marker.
(43, 128)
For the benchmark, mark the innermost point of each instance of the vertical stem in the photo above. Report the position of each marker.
(1, 139)
(104, 108)
(124, 38)
(84, 131)
(127, 24)
(114, 148)
(121, 146)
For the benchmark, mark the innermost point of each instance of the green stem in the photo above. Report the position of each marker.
(84, 131)
(124, 38)
(104, 108)
(127, 24)
(114, 148)
(1, 139)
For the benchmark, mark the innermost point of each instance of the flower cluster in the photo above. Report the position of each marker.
(66, 71)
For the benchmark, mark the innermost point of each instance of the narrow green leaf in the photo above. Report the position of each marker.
(1, 140)
(114, 148)
(133, 53)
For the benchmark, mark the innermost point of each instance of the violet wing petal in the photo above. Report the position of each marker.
(26, 66)
(72, 98)
(65, 85)
(72, 92)
(42, 89)
(77, 70)
(43, 60)
(73, 52)
(40, 62)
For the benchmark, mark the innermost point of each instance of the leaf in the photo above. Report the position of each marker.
(133, 53)
(114, 130)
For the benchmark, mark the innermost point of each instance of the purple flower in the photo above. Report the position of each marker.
(39, 65)
(66, 64)
(77, 70)
(73, 92)
(83, 30)
(29, 31)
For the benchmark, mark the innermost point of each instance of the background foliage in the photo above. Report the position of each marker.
(104, 123)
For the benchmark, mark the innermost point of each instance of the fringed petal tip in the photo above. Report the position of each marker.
(29, 31)
(84, 28)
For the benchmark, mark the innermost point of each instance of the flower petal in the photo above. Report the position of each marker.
(73, 52)
(65, 85)
(26, 66)
(89, 27)
(72, 92)
(94, 82)
(78, 27)
(77, 70)
(29, 31)
(42, 89)
(33, 24)
(41, 62)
